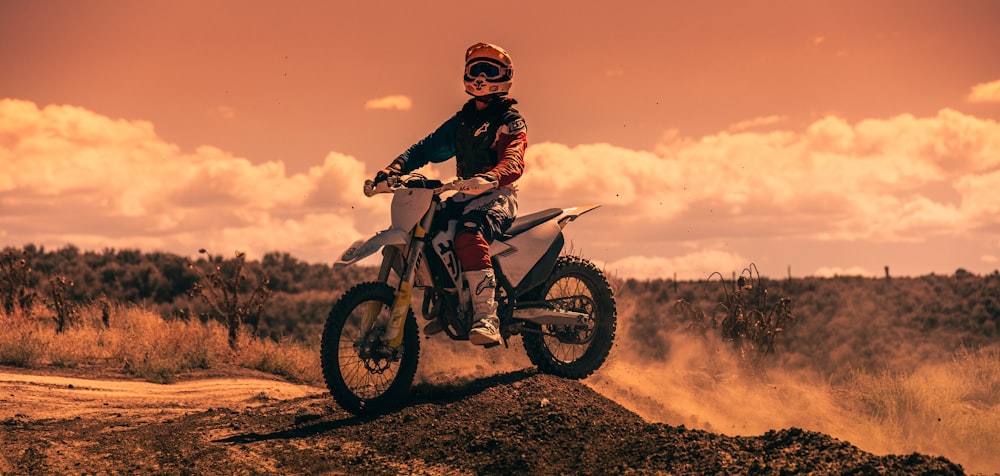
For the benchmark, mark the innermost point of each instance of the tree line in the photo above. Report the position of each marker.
(301, 293)
(843, 323)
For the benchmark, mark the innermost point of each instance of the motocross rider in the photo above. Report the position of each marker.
(488, 138)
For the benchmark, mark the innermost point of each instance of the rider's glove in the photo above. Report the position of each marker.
(370, 186)
(475, 185)
(384, 174)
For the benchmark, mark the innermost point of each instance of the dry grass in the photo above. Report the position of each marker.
(23, 343)
(285, 358)
(139, 342)
(951, 409)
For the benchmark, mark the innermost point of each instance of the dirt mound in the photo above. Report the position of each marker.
(518, 422)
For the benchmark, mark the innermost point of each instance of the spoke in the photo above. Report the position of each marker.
(576, 296)
(355, 370)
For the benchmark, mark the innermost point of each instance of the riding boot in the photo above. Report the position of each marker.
(486, 325)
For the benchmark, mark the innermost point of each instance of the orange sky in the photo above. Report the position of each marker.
(825, 136)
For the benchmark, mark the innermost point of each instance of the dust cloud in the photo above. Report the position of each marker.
(701, 384)
(704, 386)
(443, 361)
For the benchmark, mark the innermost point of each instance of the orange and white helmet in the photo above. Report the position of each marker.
(488, 70)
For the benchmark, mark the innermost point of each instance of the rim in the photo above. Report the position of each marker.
(367, 367)
(569, 343)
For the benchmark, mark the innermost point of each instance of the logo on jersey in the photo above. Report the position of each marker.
(483, 128)
(516, 126)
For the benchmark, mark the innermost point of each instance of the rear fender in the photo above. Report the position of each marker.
(570, 214)
(362, 249)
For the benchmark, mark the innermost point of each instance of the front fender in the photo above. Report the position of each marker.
(361, 249)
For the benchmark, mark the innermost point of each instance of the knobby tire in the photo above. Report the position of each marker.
(352, 382)
(574, 276)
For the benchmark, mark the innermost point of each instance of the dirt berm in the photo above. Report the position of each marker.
(512, 423)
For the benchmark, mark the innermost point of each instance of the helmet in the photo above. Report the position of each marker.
(488, 70)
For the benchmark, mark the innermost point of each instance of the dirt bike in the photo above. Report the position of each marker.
(562, 306)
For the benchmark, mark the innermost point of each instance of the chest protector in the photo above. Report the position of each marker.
(476, 136)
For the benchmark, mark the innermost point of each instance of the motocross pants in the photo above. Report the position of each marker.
(481, 219)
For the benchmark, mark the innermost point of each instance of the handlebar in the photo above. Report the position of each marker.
(397, 182)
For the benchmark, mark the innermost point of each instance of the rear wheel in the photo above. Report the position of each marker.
(574, 351)
(365, 375)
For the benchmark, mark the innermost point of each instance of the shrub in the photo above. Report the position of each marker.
(16, 292)
(229, 294)
(743, 317)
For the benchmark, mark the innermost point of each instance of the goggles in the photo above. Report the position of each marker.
(491, 70)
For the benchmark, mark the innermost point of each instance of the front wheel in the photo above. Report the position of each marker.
(574, 351)
(364, 374)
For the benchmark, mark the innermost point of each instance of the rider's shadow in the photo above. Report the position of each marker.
(422, 393)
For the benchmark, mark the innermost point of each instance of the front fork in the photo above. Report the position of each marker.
(393, 336)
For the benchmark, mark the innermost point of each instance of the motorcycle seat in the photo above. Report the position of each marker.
(529, 221)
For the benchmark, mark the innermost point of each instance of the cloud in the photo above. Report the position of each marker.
(985, 92)
(757, 122)
(691, 206)
(830, 272)
(849, 178)
(695, 265)
(893, 180)
(68, 175)
(399, 103)
(982, 202)
(223, 112)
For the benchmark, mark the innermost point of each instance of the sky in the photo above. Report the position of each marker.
(805, 137)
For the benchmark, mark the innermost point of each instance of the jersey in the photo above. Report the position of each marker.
(488, 143)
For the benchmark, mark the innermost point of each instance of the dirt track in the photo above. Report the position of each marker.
(44, 397)
(516, 422)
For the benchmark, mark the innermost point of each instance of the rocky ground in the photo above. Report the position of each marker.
(512, 423)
